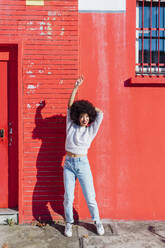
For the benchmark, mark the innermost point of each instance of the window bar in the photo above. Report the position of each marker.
(137, 66)
(142, 36)
(151, 37)
(163, 31)
(158, 35)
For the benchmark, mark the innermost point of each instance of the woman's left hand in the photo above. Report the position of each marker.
(79, 81)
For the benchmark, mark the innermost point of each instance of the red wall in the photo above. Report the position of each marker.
(51, 66)
(47, 38)
(127, 157)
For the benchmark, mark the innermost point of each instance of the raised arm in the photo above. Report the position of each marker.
(72, 97)
(98, 110)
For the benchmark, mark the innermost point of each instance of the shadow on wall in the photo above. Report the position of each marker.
(48, 193)
(129, 83)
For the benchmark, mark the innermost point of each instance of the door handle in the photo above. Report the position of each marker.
(2, 133)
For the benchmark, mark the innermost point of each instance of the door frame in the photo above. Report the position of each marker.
(19, 43)
(4, 58)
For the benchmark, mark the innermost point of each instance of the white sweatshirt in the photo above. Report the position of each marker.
(78, 138)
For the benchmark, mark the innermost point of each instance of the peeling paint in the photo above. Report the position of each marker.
(32, 29)
(30, 23)
(52, 13)
(31, 86)
(28, 106)
(49, 72)
(29, 72)
(41, 71)
(49, 28)
(62, 33)
(46, 28)
(42, 23)
(46, 18)
(61, 82)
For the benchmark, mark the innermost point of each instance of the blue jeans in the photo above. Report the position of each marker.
(74, 168)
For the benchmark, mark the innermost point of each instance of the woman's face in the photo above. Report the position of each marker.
(84, 119)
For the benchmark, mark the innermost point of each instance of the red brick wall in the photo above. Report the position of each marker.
(49, 38)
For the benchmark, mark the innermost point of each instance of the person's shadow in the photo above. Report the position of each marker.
(48, 194)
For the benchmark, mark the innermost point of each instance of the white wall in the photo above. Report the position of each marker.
(102, 5)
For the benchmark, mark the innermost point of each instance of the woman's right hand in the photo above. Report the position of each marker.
(79, 81)
(77, 84)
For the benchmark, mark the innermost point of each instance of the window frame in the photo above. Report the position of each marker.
(132, 78)
(151, 68)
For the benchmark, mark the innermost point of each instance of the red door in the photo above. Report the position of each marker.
(8, 126)
(3, 131)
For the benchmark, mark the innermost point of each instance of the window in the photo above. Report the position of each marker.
(150, 37)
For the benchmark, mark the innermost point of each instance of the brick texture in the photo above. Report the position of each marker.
(49, 35)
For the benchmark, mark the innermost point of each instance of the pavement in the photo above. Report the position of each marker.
(118, 234)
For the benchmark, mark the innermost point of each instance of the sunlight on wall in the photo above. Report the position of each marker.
(35, 2)
(103, 5)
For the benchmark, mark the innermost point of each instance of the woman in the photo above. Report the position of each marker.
(82, 124)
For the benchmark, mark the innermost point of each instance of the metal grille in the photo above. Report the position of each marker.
(150, 37)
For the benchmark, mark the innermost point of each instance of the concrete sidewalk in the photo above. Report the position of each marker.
(125, 234)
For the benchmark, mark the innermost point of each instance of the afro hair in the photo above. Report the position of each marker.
(81, 107)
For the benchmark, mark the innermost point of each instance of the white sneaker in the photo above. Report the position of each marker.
(100, 228)
(68, 230)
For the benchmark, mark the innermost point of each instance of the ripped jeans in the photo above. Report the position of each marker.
(78, 167)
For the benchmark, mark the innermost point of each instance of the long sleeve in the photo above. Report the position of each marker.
(94, 127)
(68, 120)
